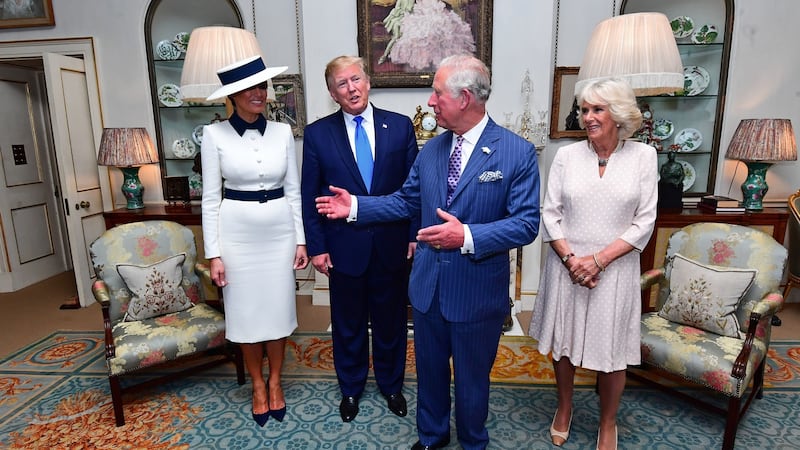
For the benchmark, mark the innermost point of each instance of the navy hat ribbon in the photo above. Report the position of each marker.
(242, 72)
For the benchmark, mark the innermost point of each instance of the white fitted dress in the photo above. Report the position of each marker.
(256, 241)
(598, 328)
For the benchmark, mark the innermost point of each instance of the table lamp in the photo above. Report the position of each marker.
(638, 48)
(759, 143)
(128, 148)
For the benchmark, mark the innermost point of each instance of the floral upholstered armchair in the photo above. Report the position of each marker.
(718, 291)
(150, 293)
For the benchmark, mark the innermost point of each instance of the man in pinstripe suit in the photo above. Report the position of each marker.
(459, 279)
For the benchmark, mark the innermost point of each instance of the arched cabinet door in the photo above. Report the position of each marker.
(691, 121)
(168, 24)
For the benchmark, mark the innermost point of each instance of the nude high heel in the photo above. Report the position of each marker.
(616, 439)
(559, 437)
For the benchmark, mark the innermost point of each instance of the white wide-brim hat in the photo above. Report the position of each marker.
(242, 75)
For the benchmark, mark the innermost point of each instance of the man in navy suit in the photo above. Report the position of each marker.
(476, 188)
(367, 266)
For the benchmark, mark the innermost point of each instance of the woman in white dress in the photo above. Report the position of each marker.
(598, 214)
(252, 227)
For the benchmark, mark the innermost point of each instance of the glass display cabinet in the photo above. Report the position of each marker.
(178, 124)
(690, 122)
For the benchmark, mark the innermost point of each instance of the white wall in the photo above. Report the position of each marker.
(759, 83)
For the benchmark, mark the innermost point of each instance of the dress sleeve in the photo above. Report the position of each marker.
(291, 186)
(212, 193)
(553, 208)
(644, 219)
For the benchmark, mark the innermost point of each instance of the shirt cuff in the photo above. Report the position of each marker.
(469, 246)
(353, 209)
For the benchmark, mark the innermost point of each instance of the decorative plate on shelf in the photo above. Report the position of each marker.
(662, 129)
(170, 95)
(181, 41)
(682, 26)
(689, 139)
(705, 34)
(695, 80)
(183, 148)
(689, 175)
(166, 50)
(197, 134)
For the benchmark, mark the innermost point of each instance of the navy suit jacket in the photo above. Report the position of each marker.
(328, 160)
(497, 196)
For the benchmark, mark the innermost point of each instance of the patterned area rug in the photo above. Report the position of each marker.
(55, 394)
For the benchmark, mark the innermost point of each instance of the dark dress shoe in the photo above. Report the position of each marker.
(397, 404)
(278, 414)
(262, 418)
(440, 444)
(348, 408)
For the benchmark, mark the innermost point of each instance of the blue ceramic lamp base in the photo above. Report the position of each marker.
(755, 186)
(132, 187)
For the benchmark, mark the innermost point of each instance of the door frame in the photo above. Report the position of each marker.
(80, 47)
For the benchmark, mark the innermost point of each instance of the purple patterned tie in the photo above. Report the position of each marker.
(454, 169)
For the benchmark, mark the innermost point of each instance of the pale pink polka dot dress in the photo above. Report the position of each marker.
(598, 328)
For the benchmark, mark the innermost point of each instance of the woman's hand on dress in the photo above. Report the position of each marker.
(217, 271)
(300, 257)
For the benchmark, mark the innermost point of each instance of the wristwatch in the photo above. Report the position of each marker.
(566, 257)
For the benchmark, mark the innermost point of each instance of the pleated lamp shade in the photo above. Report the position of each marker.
(210, 49)
(638, 48)
(126, 147)
(763, 140)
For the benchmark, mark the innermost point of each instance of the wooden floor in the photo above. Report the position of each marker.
(34, 312)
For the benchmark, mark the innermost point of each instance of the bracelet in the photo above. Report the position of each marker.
(597, 263)
(566, 257)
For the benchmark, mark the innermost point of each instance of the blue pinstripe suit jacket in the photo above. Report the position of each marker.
(501, 214)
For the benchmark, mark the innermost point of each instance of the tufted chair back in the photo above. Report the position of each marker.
(142, 243)
(729, 245)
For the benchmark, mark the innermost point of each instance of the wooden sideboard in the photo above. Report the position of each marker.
(184, 215)
(770, 220)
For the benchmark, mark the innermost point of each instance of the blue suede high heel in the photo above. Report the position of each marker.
(262, 418)
(278, 414)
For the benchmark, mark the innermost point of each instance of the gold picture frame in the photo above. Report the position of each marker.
(26, 13)
(379, 33)
(289, 105)
(564, 109)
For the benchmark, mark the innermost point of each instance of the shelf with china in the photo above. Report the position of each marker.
(178, 124)
(691, 121)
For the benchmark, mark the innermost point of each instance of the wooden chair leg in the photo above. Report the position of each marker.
(731, 423)
(116, 400)
(758, 378)
(238, 360)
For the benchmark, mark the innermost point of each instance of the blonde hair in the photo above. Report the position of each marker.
(620, 99)
(340, 62)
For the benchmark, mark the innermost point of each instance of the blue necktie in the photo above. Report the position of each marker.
(363, 153)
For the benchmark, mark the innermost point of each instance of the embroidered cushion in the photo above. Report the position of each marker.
(155, 289)
(706, 296)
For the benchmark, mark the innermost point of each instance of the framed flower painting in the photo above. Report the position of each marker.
(402, 41)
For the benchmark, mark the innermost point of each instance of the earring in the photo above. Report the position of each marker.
(617, 125)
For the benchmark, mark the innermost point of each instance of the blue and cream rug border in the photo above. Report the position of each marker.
(55, 395)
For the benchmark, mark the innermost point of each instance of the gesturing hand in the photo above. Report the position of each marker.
(336, 206)
(449, 234)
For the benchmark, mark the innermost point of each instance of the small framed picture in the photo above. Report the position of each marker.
(564, 111)
(290, 104)
(26, 13)
(176, 189)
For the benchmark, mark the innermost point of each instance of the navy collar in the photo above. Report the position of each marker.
(241, 126)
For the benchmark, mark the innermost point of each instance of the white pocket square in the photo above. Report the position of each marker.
(489, 176)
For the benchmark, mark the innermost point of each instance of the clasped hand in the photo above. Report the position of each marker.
(583, 271)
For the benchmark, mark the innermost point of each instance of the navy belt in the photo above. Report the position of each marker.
(254, 196)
